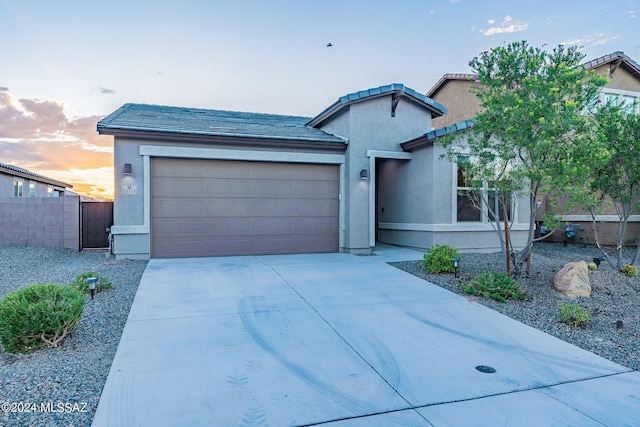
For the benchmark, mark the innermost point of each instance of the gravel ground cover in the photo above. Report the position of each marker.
(74, 373)
(64, 383)
(614, 297)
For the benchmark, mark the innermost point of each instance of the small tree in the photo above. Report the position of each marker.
(529, 129)
(616, 175)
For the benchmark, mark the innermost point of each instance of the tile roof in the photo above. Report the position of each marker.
(445, 78)
(431, 136)
(436, 108)
(195, 121)
(18, 171)
(623, 59)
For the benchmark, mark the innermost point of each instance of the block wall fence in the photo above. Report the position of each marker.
(40, 221)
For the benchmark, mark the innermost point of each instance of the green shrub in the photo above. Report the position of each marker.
(592, 266)
(80, 282)
(495, 285)
(573, 314)
(38, 316)
(630, 270)
(438, 259)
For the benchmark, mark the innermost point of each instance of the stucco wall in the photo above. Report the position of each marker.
(460, 102)
(424, 213)
(371, 127)
(6, 186)
(40, 221)
(621, 79)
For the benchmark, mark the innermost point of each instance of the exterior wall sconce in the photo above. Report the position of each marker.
(127, 168)
(364, 174)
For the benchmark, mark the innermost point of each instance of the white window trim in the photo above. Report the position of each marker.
(18, 187)
(620, 93)
(484, 212)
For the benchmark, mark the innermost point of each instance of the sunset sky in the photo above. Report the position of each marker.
(66, 64)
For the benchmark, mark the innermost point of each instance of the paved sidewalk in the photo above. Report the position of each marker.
(341, 340)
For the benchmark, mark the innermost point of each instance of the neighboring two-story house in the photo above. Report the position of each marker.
(453, 90)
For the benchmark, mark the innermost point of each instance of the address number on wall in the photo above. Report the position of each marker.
(129, 190)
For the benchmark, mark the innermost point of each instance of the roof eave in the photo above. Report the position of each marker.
(429, 138)
(237, 139)
(621, 57)
(444, 79)
(35, 177)
(436, 110)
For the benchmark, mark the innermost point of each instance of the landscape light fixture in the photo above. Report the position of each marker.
(456, 265)
(91, 284)
(127, 168)
(364, 174)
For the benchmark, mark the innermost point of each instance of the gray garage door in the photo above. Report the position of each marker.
(219, 207)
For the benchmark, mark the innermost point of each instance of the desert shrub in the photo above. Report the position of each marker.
(630, 270)
(38, 316)
(80, 282)
(438, 259)
(495, 285)
(592, 266)
(573, 314)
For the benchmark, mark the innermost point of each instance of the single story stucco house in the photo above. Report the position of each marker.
(19, 182)
(194, 182)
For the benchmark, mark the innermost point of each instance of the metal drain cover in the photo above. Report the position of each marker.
(486, 369)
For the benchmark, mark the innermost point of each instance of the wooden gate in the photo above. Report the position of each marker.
(96, 218)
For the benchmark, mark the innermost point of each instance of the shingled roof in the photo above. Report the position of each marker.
(141, 119)
(23, 173)
(394, 89)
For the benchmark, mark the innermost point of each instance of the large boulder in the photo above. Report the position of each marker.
(573, 280)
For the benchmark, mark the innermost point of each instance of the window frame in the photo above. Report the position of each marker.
(18, 187)
(485, 216)
(621, 96)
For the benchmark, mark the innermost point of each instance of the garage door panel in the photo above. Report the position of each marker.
(185, 187)
(320, 189)
(315, 208)
(164, 208)
(316, 226)
(242, 208)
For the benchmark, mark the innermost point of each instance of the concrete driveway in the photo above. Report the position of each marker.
(342, 341)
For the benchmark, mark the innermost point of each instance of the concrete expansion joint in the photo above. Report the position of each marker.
(540, 387)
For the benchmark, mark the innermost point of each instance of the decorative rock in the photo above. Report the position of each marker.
(573, 280)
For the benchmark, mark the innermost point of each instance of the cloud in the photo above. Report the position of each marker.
(4, 89)
(106, 91)
(38, 136)
(632, 14)
(594, 39)
(506, 26)
(553, 19)
(97, 182)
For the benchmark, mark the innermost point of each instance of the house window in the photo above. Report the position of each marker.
(478, 205)
(631, 100)
(32, 189)
(18, 185)
(467, 198)
(50, 191)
